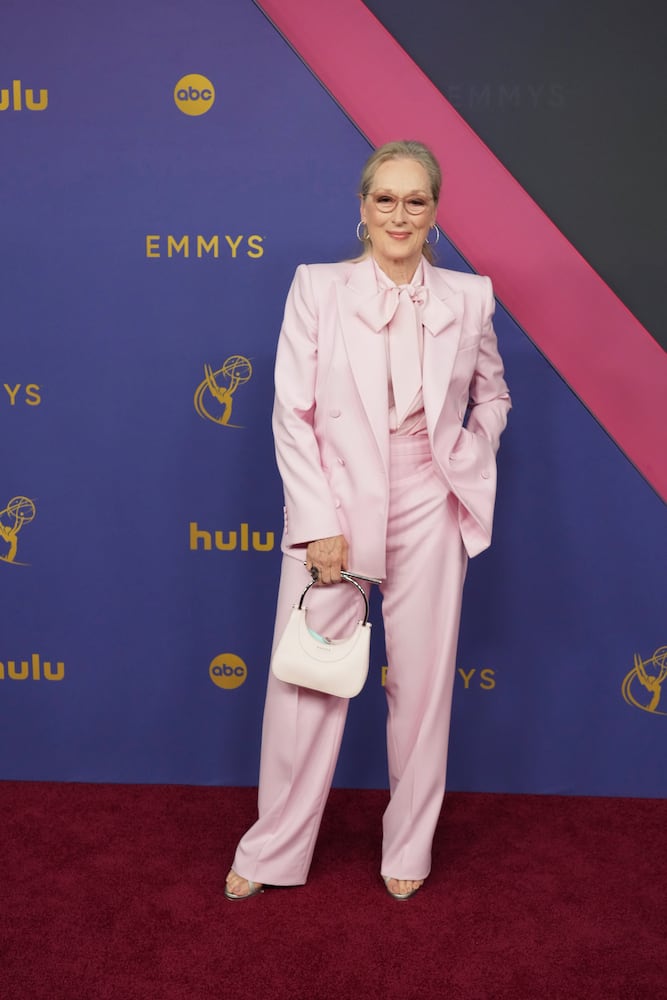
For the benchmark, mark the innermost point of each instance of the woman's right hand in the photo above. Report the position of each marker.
(328, 556)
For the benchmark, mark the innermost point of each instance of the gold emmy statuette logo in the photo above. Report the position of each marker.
(194, 94)
(642, 686)
(213, 396)
(228, 671)
(19, 511)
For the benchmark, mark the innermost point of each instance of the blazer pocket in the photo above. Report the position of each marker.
(469, 441)
(461, 443)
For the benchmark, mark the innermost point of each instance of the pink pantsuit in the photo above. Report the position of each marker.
(413, 508)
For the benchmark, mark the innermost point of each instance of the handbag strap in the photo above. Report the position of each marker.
(350, 579)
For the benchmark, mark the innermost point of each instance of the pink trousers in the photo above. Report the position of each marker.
(302, 732)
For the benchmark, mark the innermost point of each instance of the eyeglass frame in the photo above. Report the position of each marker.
(395, 201)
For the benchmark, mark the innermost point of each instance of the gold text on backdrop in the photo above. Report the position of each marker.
(202, 247)
(227, 541)
(29, 394)
(19, 99)
(34, 669)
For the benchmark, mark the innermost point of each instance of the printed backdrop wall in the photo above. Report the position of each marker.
(164, 169)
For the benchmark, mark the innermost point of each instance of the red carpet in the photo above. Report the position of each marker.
(116, 892)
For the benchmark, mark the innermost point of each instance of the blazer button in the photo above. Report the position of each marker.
(337, 502)
(341, 461)
(485, 475)
(334, 413)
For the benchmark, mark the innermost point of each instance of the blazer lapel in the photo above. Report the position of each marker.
(443, 319)
(366, 350)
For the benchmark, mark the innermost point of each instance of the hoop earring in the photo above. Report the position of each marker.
(362, 239)
(437, 236)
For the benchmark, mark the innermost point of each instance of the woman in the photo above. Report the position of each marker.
(379, 362)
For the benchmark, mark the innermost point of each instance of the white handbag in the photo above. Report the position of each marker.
(334, 666)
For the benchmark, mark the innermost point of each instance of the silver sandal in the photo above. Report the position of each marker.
(399, 895)
(253, 890)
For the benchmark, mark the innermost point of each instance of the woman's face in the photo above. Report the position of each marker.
(398, 212)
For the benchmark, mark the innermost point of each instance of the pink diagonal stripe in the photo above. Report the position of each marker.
(601, 350)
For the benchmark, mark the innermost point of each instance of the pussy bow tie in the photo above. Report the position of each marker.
(400, 310)
(379, 310)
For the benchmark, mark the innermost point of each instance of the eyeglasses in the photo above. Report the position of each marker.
(414, 204)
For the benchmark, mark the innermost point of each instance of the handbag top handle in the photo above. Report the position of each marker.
(348, 577)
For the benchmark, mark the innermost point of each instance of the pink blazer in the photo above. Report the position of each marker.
(330, 417)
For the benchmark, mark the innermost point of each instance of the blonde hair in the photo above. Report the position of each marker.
(403, 150)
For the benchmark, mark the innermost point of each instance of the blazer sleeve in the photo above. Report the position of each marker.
(489, 396)
(310, 510)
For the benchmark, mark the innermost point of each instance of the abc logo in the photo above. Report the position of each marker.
(228, 671)
(194, 94)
